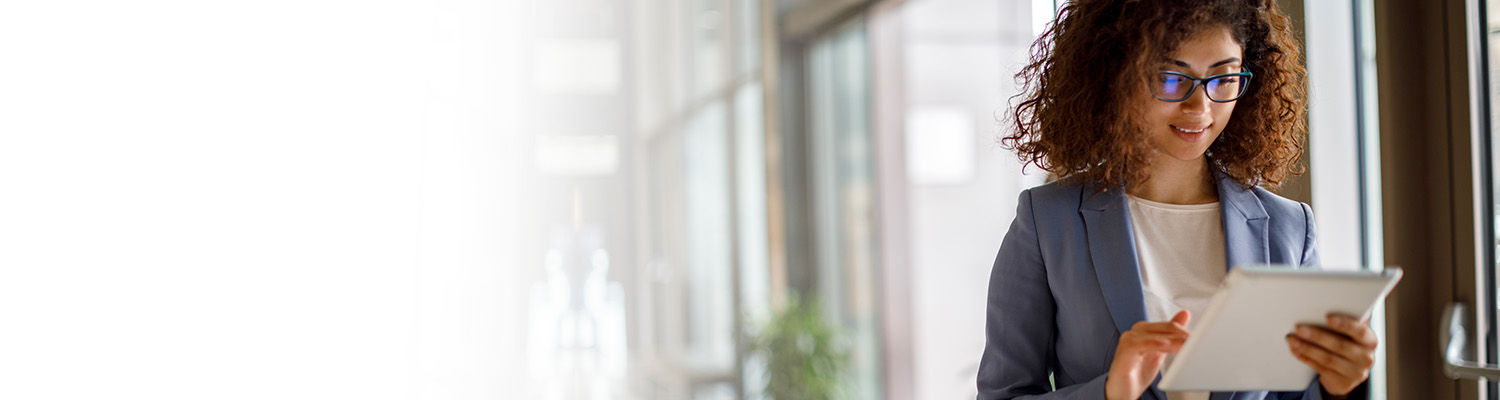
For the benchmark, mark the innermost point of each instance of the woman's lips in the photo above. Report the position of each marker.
(1191, 133)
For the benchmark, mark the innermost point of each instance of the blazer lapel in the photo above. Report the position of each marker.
(1245, 225)
(1112, 249)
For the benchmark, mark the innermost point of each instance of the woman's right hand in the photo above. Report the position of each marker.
(1140, 354)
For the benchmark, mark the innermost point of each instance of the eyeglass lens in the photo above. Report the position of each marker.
(1177, 87)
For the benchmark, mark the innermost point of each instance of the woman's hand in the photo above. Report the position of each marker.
(1341, 353)
(1139, 356)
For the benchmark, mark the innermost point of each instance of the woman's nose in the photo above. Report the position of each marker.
(1196, 103)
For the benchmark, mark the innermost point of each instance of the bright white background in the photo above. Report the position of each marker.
(282, 199)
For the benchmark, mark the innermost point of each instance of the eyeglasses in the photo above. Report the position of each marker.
(1223, 88)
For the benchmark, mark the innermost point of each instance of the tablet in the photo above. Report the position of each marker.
(1240, 342)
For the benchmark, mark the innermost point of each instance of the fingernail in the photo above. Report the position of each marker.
(1304, 331)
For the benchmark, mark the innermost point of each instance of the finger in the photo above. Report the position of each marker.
(1150, 346)
(1298, 349)
(1142, 343)
(1295, 347)
(1354, 328)
(1142, 335)
(1159, 327)
(1163, 332)
(1323, 371)
(1182, 318)
(1329, 374)
(1333, 363)
(1155, 333)
(1335, 342)
(1171, 344)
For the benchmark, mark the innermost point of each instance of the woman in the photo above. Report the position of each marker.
(1163, 119)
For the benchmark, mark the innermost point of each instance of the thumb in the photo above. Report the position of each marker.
(1182, 318)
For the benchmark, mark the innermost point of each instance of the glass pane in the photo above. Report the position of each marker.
(750, 177)
(706, 32)
(750, 195)
(690, 266)
(958, 65)
(842, 148)
(708, 266)
(665, 197)
(748, 22)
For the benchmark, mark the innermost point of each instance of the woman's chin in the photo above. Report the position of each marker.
(1186, 155)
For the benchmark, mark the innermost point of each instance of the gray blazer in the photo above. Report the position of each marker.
(1066, 283)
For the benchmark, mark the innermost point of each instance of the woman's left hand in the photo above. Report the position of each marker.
(1342, 353)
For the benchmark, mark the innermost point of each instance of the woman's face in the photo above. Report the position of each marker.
(1183, 130)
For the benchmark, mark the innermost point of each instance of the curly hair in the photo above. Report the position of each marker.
(1080, 112)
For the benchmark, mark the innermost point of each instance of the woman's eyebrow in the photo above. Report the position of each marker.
(1184, 64)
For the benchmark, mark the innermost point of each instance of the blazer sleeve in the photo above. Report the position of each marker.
(1315, 392)
(1020, 326)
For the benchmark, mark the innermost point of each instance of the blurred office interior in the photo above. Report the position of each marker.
(702, 162)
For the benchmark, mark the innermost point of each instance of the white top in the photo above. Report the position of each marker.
(1181, 254)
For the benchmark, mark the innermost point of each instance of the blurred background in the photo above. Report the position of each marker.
(623, 199)
(703, 164)
(706, 167)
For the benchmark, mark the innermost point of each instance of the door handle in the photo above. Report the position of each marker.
(1454, 335)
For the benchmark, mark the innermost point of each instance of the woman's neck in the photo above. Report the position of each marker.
(1175, 181)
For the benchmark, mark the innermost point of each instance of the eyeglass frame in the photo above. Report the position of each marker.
(1244, 87)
